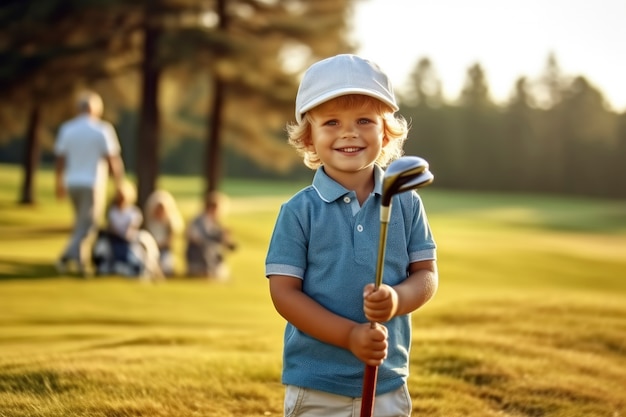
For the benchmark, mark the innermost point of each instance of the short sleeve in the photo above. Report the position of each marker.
(111, 141)
(287, 253)
(421, 244)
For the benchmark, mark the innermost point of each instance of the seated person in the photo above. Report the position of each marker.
(165, 223)
(123, 248)
(207, 240)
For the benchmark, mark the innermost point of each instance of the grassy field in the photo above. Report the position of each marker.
(529, 320)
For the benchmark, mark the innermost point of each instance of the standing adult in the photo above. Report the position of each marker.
(87, 149)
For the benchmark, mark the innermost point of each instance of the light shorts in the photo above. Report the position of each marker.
(301, 402)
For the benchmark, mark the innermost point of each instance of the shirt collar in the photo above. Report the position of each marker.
(329, 190)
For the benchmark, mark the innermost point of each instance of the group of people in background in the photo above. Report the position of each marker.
(133, 243)
(142, 244)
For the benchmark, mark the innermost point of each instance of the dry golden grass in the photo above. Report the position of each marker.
(529, 320)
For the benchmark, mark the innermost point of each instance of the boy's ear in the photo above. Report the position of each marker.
(308, 144)
(385, 140)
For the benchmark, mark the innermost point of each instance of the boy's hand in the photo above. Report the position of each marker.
(369, 344)
(381, 305)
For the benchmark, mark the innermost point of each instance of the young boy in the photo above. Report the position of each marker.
(322, 256)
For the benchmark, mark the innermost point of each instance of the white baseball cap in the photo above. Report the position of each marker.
(341, 75)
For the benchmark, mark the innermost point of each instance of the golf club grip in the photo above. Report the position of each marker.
(369, 390)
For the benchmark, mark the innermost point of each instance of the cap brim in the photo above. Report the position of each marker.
(343, 92)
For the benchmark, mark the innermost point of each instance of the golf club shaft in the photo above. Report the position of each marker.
(380, 262)
(371, 372)
(369, 390)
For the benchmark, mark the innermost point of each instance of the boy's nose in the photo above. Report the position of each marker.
(349, 131)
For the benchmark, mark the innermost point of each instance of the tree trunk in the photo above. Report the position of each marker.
(31, 157)
(213, 148)
(212, 165)
(149, 123)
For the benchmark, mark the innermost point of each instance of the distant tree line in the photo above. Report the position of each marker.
(556, 134)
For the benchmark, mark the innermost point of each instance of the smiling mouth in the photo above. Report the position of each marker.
(350, 150)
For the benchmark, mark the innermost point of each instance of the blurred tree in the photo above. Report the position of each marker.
(149, 132)
(520, 137)
(549, 88)
(422, 104)
(259, 50)
(45, 56)
(548, 91)
(213, 147)
(423, 86)
(241, 47)
(589, 132)
(479, 143)
(31, 156)
(475, 93)
(618, 174)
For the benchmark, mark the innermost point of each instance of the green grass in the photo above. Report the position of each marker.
(529, 319)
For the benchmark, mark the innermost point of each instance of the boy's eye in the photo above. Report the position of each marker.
(363, 121)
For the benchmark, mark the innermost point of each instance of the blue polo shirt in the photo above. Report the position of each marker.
(323, 237)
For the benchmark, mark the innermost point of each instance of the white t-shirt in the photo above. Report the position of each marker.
(125, 222)
(85, 142)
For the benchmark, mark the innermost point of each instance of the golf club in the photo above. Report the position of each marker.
(404, 174)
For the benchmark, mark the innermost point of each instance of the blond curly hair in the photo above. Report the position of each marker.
(168, 202)
(126, 193)
(396, 129)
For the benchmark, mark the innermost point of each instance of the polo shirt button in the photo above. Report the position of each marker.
(346, 199)
(359, 228)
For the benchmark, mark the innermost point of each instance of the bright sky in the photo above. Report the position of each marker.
(509, 38)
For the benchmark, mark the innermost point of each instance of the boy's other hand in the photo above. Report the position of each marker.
(369, 344)
(379, 305)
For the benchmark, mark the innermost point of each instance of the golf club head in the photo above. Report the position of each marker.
(402, 171)
(422, 180)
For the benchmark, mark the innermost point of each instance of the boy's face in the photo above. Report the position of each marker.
(119, 198)
(159, 211)
(347, 138)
